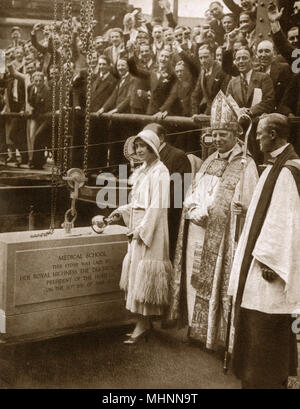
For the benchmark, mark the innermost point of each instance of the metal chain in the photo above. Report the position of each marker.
(54, 176)
(67, 74)
(90, 8)
(54, 173)
(83, 24)
(61, 100)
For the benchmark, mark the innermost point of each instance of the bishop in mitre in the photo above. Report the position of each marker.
(205, 245)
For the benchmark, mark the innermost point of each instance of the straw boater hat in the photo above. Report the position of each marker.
(147, 136)
(224, 113)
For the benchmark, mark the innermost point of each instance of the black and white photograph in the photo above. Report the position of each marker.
(149, 197)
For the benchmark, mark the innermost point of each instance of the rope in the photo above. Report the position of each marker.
(101, 143)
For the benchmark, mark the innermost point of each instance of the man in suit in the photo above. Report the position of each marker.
(179, 100)
(178, 164)
(120, 97)
(158, 41)
(280, 73)
(39, 97)
(117, 49)
(253, 92)
(161, 80)
(15, 127)
(228, 23)
(211, 79)
(102, 88)
(247, 27)
(139, 98)
(119, 101)
(216, 10)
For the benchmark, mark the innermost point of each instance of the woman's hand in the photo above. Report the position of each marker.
(115, 217)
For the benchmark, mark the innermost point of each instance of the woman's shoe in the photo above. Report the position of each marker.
(134, 340)
(129, 334)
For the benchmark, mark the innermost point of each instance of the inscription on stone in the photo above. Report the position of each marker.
(66, 272)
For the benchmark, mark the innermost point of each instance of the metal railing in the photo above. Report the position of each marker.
(114, 129)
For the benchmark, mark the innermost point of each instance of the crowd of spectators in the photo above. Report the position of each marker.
(155, 68)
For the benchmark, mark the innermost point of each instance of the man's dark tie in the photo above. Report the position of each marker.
(244, 84)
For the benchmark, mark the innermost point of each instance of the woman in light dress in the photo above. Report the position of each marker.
(146, 267)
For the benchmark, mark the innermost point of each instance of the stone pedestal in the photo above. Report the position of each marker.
(60, 284)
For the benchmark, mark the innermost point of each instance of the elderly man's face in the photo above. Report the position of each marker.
(264, 136)
(265, 53)
(224, 140)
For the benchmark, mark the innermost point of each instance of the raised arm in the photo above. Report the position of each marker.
(135, 71)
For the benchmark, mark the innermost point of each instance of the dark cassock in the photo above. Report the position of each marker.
(265, 277)
(204, 251)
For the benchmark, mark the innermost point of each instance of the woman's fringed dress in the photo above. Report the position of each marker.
(147, 269)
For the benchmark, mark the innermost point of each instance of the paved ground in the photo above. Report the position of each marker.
(100, 360)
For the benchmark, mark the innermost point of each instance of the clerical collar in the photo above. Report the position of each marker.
(225, 155)
(278, 151)
(162, 146)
